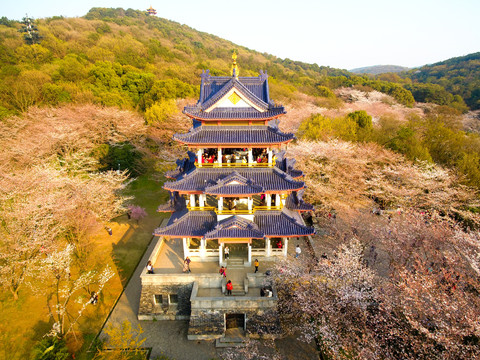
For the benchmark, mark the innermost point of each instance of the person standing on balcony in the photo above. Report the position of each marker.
(256, 264)
(226, 251)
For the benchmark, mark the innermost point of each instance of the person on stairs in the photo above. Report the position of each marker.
(229, 287)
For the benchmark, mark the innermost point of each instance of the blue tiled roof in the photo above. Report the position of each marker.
(231, 113)
(287, 165)
(279, 224)
(235, 227)
(245, 186)
(295, 202)
(239, 87)
(183, 166)
(176, 203)
(211, 85)
(271, 179)
(190, 224)
(204, 224)
(234, 135)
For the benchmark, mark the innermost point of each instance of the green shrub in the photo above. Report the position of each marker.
(160, 111)
(50, 349)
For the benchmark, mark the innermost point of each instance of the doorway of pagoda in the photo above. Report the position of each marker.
(238, 250)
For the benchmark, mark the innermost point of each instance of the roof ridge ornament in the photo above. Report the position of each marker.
(235, 70)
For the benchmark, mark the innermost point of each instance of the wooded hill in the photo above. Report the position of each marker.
(459, 76)
(128, 59)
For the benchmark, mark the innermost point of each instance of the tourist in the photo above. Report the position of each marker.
(229, 287)
(262, 292)
(94, 298)
(226, 251)
(223, 271)
(256, 263)
(298, 251)
(149, 267)
(269, 293)
(279, 244)
(186, 265)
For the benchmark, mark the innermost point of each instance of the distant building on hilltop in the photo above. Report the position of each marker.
(235, 191)
(151, 11)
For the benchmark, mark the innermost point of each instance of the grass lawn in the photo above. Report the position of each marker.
(24, 322)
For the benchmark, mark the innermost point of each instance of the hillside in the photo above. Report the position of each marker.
(124, 58)
(379, 69)
(459, 76)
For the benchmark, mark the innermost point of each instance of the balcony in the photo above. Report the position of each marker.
(233, 211)
(236, 165)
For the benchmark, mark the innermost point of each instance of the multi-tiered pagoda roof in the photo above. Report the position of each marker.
(237, 158)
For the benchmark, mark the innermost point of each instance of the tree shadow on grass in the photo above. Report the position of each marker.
(36, 334)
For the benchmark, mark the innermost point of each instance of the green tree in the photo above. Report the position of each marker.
(123, 343)
(160, 111)
(50, 348)
(30, 31)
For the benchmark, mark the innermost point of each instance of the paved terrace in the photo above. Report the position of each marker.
(170, 337)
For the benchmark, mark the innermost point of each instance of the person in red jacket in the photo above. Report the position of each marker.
(229, 287)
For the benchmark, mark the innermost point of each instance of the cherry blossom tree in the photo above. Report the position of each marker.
(68, 295)
(403, 286)
(136, 212)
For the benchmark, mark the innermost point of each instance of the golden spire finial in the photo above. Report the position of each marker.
(234, 65)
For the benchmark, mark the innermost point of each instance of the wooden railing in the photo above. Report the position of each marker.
(200, 208)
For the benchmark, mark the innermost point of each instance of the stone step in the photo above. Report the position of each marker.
(235, 261)
(226, 344)
(231, 339)
(238, 292)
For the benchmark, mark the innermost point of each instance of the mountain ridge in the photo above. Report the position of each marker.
(379, 69)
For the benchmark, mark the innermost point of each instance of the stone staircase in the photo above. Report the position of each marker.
(237, 277)
(235, 263)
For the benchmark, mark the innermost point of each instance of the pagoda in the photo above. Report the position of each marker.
(151, 11)
(236, 188)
